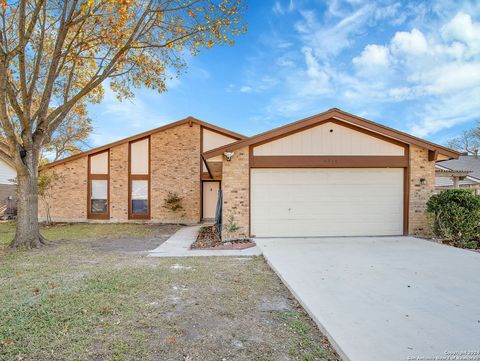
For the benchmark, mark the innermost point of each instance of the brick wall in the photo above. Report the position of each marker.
(175, 161)
(68, 195)
(119, 182)
(175, 167)
(420, 168)
(236, 185)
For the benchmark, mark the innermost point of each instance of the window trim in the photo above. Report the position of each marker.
(132, 177)
(91, 177)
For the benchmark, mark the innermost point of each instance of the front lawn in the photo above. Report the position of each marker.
(81, 231)
(79, 299)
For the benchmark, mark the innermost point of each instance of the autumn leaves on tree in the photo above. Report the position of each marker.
(56, 56)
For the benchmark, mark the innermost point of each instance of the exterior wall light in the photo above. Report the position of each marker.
(423, 181)
(228, 156)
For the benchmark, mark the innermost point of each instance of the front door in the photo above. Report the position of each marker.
(210, 196)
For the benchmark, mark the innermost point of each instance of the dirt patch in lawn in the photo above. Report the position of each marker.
(135, 244)
(208, 239)
(75, 301)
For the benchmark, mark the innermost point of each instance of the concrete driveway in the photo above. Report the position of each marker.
(384, 298)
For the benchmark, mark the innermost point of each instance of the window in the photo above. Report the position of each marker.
(139, 196)
(98, 184)
(139, 179)
(99, 197)
(99, 163)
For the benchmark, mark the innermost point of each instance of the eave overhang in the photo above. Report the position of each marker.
(435, 151)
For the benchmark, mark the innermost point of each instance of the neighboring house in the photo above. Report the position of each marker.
(332, 174)
(463, 172)
(7, 184)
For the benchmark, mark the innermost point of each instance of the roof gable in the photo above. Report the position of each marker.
(188, 120)
(339, 115)
(331, 137)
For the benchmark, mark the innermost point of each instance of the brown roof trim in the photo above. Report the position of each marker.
(188, 120)
(334, 113)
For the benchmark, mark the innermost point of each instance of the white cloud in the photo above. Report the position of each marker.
(411, 43)
(427, 69)
(313, 68)
(426, 57)
(280, 9)
(246, 89)
(373, 56)
(277, 8)
(399, 93)
(391, 12)
(451, 77)
(446, 112)
(463, 29)
(331, 39)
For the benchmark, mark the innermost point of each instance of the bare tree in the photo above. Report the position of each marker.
(56, 54)
(70, 137)
(45, 185)
(468, 141)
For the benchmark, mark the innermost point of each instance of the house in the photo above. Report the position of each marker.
(332, 174)
(131, 179)
(463, 172)
(7, 183)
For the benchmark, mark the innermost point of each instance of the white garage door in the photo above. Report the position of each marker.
(326, 202)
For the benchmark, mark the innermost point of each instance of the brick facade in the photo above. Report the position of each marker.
(236, 194)
(68, 195)
(119, 182)
(175, 167)
(422, 186)
(175, 161)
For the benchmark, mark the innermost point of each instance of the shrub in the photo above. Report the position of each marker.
(173, 202)
(230, 227)
(456, 214)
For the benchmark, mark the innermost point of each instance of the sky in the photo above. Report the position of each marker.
(410, 65)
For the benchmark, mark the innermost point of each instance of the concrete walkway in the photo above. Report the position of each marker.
(384, 298)
(178, 245)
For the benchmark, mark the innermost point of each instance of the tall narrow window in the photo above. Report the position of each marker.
(139, 179)
(98, 186)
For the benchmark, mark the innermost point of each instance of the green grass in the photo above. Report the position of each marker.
(306, 347)
(80, 231)
(68, 301)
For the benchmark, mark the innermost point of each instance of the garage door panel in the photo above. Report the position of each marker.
(326, 202)
(284, 229)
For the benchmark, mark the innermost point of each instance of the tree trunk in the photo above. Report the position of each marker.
(28, 231)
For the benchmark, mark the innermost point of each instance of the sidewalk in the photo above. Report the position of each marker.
(178, 245)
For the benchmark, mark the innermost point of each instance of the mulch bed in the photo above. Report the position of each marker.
(207, 239)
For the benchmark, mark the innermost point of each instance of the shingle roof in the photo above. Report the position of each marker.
(464, 162)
